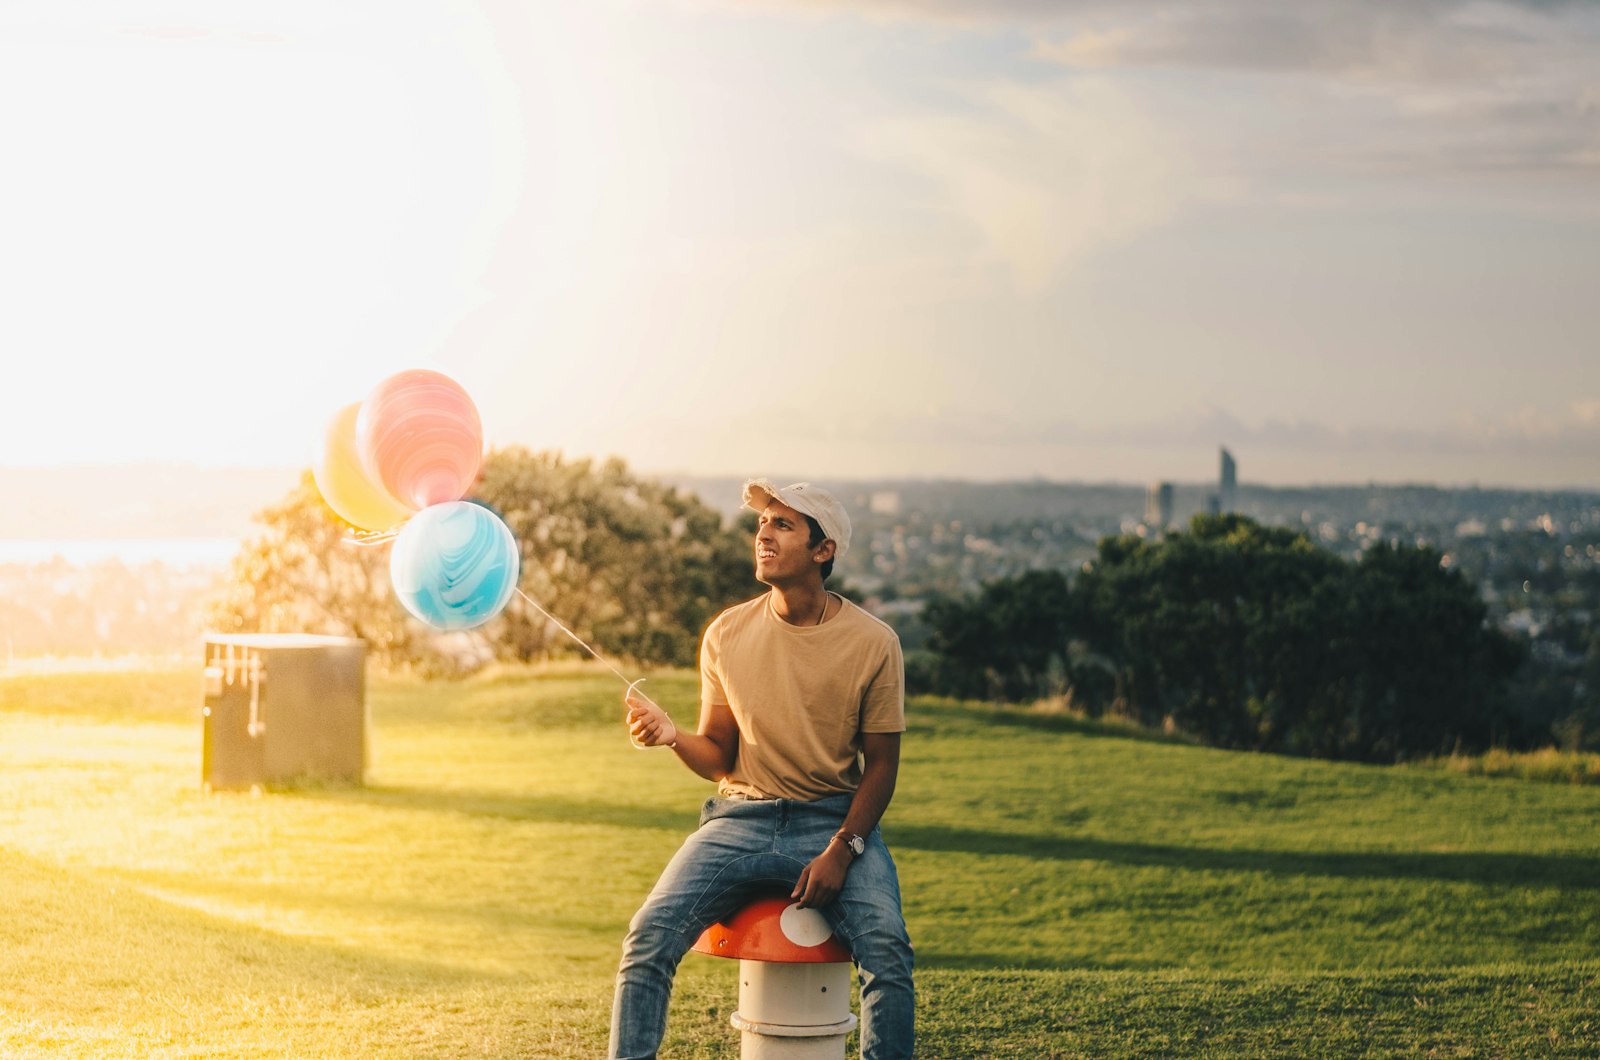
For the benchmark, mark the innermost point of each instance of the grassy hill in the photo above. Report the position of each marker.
(1072, 891)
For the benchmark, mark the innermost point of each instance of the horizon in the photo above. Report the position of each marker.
(291, 472)
(88, 511)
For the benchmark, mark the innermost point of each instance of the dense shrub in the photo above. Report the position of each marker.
(1249, 637)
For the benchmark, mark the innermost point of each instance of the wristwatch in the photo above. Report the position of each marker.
(856, 845)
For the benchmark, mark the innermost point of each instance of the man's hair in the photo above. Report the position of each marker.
(817, 538)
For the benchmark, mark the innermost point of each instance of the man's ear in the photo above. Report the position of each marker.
(824, 552)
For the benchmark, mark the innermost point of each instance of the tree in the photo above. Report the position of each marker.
(1007, 643)
(1434, 672)
(1253, 637)
(633, 567)
(1218, 629)
(1250, 637)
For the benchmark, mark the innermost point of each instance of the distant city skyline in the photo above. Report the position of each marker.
(1084, 242)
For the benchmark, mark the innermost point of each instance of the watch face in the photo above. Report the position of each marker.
(858, 846)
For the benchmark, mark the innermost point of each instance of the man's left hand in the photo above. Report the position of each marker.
(822, 880)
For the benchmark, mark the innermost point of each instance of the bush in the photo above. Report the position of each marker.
(1248, 637)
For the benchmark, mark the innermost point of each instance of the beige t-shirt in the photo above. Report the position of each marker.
(802, 696)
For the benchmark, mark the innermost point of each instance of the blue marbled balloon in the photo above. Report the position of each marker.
(454, 565)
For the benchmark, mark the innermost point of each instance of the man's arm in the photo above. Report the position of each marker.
(710, 752)
(821, 881)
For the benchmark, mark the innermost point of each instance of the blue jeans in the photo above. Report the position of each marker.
(745, 848)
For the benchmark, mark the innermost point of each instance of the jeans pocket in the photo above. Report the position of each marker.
(709, 809)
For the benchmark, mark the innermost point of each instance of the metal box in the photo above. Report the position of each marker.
(283, 706)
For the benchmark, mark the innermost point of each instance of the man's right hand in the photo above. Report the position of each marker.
(648, 724)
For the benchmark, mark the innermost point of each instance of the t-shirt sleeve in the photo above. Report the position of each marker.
(883, 707)
(712, 694)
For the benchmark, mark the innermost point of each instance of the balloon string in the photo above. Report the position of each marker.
(584, 644)
(562, 627)
(370, 537)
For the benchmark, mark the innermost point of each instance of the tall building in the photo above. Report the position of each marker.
(1226, 493)
(1158, 505)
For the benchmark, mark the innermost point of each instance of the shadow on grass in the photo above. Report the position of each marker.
(1578, 872)
(1573, 872)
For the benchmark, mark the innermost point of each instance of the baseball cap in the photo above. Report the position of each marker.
(806, 499)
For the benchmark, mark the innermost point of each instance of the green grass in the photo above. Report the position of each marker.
(1549, 765)
(1072, 890)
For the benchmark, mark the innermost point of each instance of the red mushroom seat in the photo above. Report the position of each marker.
(774, 929)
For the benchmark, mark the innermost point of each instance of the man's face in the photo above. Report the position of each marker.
(783, 546)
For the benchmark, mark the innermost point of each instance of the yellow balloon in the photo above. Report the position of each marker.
(345, 484)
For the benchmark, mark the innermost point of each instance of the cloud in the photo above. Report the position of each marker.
(1462, 87)
(1555, 446)
(1113, 119)
(1569, 431)
(1393, 42)
(1415, 40)
(1045, 174)
(1444, 87)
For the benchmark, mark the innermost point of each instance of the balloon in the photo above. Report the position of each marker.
(419, 434)
(344, 482)
(454, 565)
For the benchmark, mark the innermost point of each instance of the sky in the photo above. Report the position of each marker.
(1351, 242)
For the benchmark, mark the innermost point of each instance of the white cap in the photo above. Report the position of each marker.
(806, 499)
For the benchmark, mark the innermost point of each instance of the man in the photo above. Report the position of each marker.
(802, 703)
